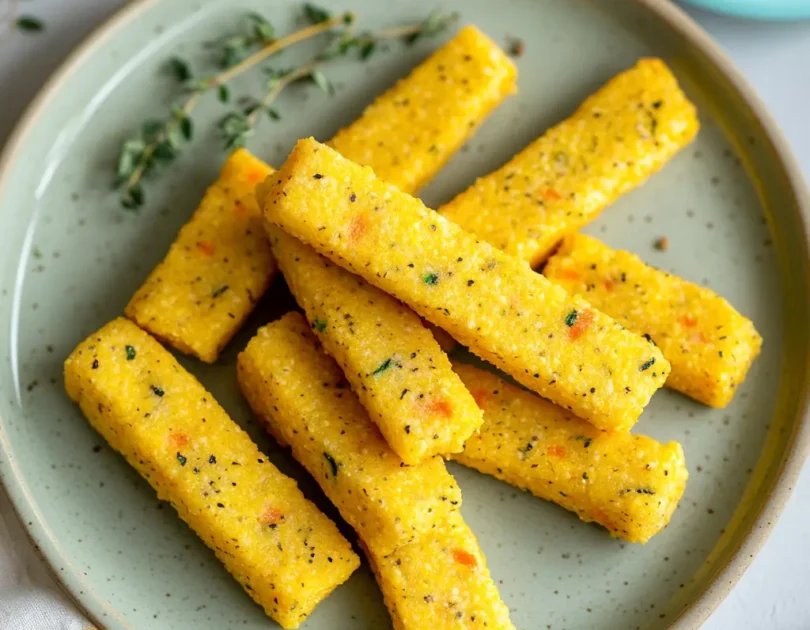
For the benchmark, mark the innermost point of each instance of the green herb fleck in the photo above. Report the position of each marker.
(646, 365)
(37, 253)
(130, 353)
(332, 463)
(319, 79)
(236, 128)
(319, 325)
(30, 24)
(316, 14)
(158, 391)
(571, 318)
(212, 460)
(434, 24)
(431, 278)
(219, 291)
(585, 440)
(645, 491)
(181, 69)
(181, 459)
(224, 93)
(385, 365)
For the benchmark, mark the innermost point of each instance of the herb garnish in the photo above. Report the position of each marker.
(159, 140)
(332, 463)
(158, 391)
(647, 365)
(385, 365)
(130, 353)
(181, 458)
(319, 325)
(431, 278)
(571, 318)
(30, 24)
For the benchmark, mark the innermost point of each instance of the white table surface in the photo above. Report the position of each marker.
(775, 592)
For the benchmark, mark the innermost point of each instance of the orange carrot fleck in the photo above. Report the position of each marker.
(603, 519)
(480, 396)
(440, 407)
(557, 450)
(239, 208)
(465, 558)
(357, 228)
(608, 285)
(179, 439)
(570, 274)
(272, 516)
(552, 194)
(584, 320)
(690, 321)
(206, 248)
(254, 177)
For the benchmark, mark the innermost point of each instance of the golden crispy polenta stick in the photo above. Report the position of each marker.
(407, 134)
(441, 582)
(709, 344)
(553, 343)
(302, 396)
(630, 484)
(216, 270)
(617, 138)
(393, 363)
(285, 553)
(220, 264)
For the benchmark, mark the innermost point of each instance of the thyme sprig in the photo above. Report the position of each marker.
(159, 140)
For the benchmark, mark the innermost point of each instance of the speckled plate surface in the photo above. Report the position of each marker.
(731, 206)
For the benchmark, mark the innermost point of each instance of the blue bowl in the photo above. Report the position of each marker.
(758, 9)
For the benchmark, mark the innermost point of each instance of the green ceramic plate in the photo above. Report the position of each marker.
(732, 206)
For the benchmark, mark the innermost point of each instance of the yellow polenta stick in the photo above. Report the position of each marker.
(553, 343)
(440, 582)
(393, 363)
(412, 130)
(709, 344)
(286, 554)
(302, 396)
(216, 270)
(617, 138)
(220, 264)
(630, 484)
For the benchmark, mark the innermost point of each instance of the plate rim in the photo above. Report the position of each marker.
(81, 593)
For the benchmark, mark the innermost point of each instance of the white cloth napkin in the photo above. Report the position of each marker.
(29, 597)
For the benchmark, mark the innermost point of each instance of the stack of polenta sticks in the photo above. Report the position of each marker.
(358, 386)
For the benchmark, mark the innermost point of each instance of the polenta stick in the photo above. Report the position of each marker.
(220, 264)
(286, 554)
(301, 395)
(410, 132)
(393, 363)
(216, 270)
(618, 137)
(440, 582)
(630, 484)
(553, 343)
(709, 344)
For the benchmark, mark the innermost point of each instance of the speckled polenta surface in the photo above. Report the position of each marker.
(709, 344)
(556, 344)
(440, 581)
(303, 397)
(617, 138)
(630, 484)
(392, 362)
(217, 268)
(286, 554)
(408, 133)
